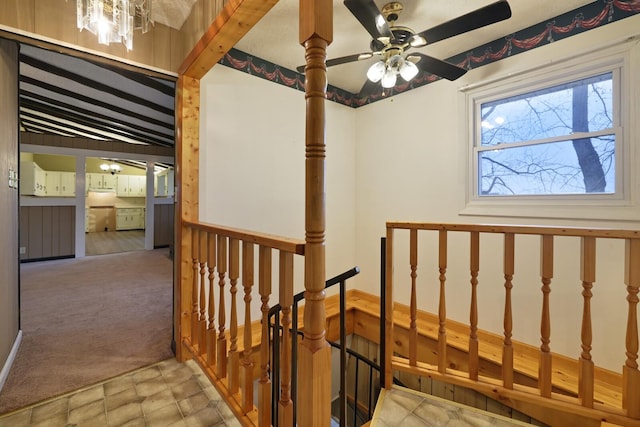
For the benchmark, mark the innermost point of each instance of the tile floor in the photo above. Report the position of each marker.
(165, 394)
(408, 408)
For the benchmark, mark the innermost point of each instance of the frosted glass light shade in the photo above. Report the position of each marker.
(408, 70)
(376, 71)
(389, 79)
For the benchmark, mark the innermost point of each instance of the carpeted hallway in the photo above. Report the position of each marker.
(87, 320)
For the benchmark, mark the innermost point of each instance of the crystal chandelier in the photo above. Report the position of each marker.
(113, 21)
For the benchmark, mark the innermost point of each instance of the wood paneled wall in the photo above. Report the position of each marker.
(9, 266)
(162, 47)
(93, 144)
(47, 231)
(163, 225)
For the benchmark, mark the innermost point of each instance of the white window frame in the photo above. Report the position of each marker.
(621, 205)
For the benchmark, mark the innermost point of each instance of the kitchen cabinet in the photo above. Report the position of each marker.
(131, 186)
(100, 181)
(130, 218)
(60, 183)
(165, 184)
(32, 179)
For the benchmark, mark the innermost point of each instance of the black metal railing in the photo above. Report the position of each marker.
(274, 327)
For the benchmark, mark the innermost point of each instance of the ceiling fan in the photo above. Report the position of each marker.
(391, 42)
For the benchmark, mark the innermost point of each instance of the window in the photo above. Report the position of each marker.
(552, 138)
(557, 140)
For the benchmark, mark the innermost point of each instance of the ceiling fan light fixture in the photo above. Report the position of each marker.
(389, 79)
(376, 71)
(408, 70)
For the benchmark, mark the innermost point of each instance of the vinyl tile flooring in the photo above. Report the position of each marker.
(165, 394)
(109, 242)
(404, 407)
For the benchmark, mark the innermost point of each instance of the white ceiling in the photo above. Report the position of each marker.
(171, 13)
(275, 37)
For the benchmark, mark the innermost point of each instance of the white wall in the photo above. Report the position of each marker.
(403, 158)
(252, 163)
(415, 169)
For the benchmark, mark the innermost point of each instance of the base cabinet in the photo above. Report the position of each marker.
(129, 218)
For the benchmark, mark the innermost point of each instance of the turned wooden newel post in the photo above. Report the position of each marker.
(314, 396)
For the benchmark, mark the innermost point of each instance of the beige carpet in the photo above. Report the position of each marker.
(87, 320)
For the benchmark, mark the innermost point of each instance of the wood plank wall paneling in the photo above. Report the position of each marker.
(9, 268)
(162, 47)
(92, 144)
(47, 231)
(163, 225)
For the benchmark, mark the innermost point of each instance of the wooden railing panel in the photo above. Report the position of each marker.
(618, 397)
(226, 354)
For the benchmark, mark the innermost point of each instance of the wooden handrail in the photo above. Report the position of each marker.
(519, 229)
(286, 244)
(625, 412)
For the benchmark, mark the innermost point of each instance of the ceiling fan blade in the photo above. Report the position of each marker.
(368, 88)
(368, 14)
(349, 58)
(342, 60)
(487, 15)
(438, 67)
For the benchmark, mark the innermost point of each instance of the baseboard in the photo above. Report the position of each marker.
(4, 374)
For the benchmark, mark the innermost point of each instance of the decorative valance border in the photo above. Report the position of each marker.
(579, 20)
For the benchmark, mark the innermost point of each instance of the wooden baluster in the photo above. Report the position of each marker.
(234, 356)
(507, 346)
(630, 373)
(474, 362)
(222, 339)
(285, 405)
(202, 324)
(413, 330)
(588, 276)
(211, 328)
(246, 368)
(546, 271)
(195, 252)
(442, 305)
(264, 383)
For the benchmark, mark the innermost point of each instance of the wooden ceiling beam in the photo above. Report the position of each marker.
(235, 20)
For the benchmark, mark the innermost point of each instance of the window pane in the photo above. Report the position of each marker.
(581, 106)
(552, 168)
